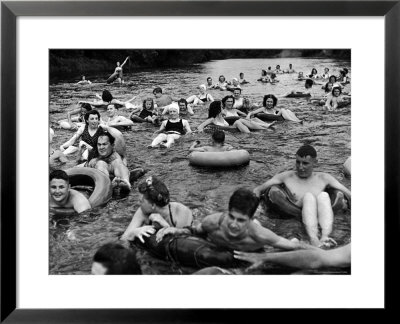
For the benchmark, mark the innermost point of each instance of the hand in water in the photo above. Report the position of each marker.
(164, 231)
(255, 258)
(144, 231)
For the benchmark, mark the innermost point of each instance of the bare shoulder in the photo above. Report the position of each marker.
(326, 177)
(285, 175)
(180, 208)
(76, 196)
(212, 221)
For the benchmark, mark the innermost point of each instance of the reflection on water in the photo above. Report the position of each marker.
(74, 242)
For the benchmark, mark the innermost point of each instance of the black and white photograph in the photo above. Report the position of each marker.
(200, 161)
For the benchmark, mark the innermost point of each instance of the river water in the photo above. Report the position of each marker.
(73, 242)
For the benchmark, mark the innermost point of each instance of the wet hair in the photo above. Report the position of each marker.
(152, 103)
(345, 70)
(332, 76)
(110, 137)
(338, 88)
(106, 96)
(155, 191)
(290, 64)
(237, 89)
(224, 99)
(326, 87)
(157, 90)
(273, 75)
(309, 82)
(91, 112)
(221, 76)
(278, 66)
(241, 73)
(214, 109)
(269, 68)
(183, 100)
(312, 71)
(209, 78)
(218, 136)
(245, 201)
(272, 97)
(263, 73)
(117, 259)
(59, 174)
(86, 106)
(306, 150)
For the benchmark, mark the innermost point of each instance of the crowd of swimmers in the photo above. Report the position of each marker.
(101, 146)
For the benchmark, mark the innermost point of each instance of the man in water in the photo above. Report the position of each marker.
(114, 119)
(236, 229)
(218, 144)
(62, 196)
(162, 100)
(110, 162)
(308, 189)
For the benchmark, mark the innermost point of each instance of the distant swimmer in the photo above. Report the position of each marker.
(146, 112)
(300, 76)
(118, 73)
(222, 83)
(290, 69)
(210, 84)
(217, 144)
(278, 69)
(326, 74)
(307, 188)
(62, 196)
(162, 100)
(336, 100)
(234, 84)
(171, 129)
(202, 97)
(74, 123)
(314, 74)
(242, 80)
(83, 81)
(106, 99)
(113, 119)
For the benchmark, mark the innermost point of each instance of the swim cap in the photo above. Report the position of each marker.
(173, 106)
(202, 86)
(235, 79)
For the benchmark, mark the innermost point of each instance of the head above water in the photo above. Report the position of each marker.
(270, 96)
(221, 78)
(336, 91)
(306, 157)
(106, 96)
(332, 79)
(214, 109)
(114, 259)
(86, 106)
(89, 113)
(218, 137)
(314, 71)
(263, 73)
(182, 102)
(59, 174)
(244, 201)
(155, 191)
(202, 87)
(309, 83)
(148, 106)
(328, 87)
(307, 150)
(157, 90)
(228, 98)
(241, 75)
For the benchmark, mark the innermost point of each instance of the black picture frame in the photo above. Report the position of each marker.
(11, 10)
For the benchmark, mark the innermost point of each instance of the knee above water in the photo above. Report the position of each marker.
(324, 196)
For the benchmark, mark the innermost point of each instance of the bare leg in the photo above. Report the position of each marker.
(171, 139)
(103, 167)
(325, 218)
(121, 172)
(191, 99)
(240, 126)
(309, 216)
(160, 138)
(253, 125)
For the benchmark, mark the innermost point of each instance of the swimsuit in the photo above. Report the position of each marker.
(145, 113)
(175, 128)
(91, 140)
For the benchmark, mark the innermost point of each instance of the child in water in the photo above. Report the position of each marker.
(218, 144)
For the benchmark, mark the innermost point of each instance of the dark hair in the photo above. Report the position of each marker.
(86, 106)
(59, 174)
(91, 112)
(182, 100)
(333, 76)
(346, 70)
(224, 99)
(157, 90)
(314, 69)
(152, 103)
(245, 201)
(278, 65)
(263, 73)
(237, 89)
(110, 137)
(218, 136)
(209, 78)
(214, 109)
(155, 191)
(307, 150)
(309, 82)
(273, 75)
(221, 76)
(117, 259)
(334, 88)
(272, 97)
(269, 68)
(241, 73)
(106, 96)
(326, 87)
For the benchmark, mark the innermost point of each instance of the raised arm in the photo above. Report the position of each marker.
(251, 113)
(73, 139)
(205, 123)
(73, 112)
(124, 61)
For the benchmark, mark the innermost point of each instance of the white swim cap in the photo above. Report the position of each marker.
(173, 106)
(235, 79)
(202, 86)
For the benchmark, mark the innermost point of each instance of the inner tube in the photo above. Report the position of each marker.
(347, 167)
(298, 95)
(225, 159)
(212, 128)
(113, 77)
(81, 179)
(189, 251)
(231, 120)
(269, 117)
(279, 199)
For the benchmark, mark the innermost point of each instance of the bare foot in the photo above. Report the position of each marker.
(327, 242)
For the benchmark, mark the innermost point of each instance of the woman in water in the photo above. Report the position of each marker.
(83, 81)
(221, 84)
(74, 122)
(326, 74)
(343, 78)
(118, 70)
(234, 84)
(202, 98)
(264, 76)
(333, 80)
(171, 129)
(314, 74)
(336, 100)
(156, 212)
(237, 94)
(146, 112)
(106, 99)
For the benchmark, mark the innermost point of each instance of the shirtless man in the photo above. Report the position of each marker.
(62, 196)
(115, 120)
(162, 100)
(236, 229)
(218, 144)
(308, 189)
(110, 162)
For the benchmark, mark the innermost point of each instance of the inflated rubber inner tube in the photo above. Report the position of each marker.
(94, 184)
(225, 159)
(269, 117)
(298, 95)
(189, 251)
(279, 199)
(209, 129)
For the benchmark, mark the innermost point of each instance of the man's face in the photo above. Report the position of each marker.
(235, 224)
(236, 93)
(304, 166)
(182, 106)
(157, 94)
(336, 92)
(209, 81)
(59, 189)
(111, 110)
(104, 146)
